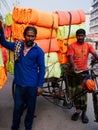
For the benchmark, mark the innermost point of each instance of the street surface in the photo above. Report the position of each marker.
(49, 116)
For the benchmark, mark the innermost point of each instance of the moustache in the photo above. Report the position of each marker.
(29, 43)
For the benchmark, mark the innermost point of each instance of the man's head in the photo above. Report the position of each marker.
(80, 35)
(29, 34)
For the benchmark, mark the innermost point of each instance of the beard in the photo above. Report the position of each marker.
(80, 41)
(29, 43)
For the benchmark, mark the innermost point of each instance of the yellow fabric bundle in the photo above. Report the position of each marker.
(53, 68)
(1, 58)
(62, 31)
(8, 19)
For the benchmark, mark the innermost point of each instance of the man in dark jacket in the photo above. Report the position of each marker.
(29, 71)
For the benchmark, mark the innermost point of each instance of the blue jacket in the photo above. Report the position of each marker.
(30, 69)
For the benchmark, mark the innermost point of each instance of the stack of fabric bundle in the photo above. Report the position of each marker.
(56, 30)
(47, 25)
(3, 76)
(8, 36)
(68, 23)
(3, 60)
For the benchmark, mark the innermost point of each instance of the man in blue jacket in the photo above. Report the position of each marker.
(29, 71)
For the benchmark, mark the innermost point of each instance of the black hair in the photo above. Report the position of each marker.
(81, 31)
(30, 28)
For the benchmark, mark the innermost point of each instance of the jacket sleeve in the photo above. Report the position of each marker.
(4, 42)
(41, 64)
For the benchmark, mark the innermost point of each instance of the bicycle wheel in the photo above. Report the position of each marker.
(94, 75)
(95, 68)
(95, 98)
(54, 91)
(67, 101)
(95, 105)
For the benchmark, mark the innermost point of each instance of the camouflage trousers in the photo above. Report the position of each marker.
(74, 83)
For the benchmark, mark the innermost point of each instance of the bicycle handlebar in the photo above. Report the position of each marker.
(93, 61)
(80, 71)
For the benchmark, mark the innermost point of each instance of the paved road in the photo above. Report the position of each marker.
(49, 116)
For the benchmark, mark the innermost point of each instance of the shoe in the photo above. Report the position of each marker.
(75, 116)
(84, 118)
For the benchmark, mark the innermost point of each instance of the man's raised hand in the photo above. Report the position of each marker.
(1, 24)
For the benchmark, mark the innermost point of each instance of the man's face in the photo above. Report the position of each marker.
(80, 38)
(29, 38)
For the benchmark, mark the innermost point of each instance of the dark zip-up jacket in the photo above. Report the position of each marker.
(30, 69)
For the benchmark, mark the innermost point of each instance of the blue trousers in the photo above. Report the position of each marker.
(24, 95)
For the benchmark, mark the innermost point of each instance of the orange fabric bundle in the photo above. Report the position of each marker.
(35, 17)
(88, 84)
(45, 44)
(17, 31)
(16, 14)
(82, 15)
(32, 16)
(3, 77)
(78, 16)
(45, 33)
(5, 58)
(47, 19)
(42, 33)
(63, 45)
(25, 15)
(62, 58)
